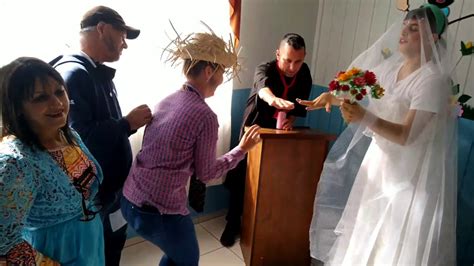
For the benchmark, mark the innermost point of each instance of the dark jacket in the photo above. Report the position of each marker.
(258, 111)
(95, 114)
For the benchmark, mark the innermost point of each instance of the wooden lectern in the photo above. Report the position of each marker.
(282, 174)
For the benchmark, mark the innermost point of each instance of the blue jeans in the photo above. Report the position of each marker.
(174, 234)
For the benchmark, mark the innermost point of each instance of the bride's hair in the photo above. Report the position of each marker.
(436, 19)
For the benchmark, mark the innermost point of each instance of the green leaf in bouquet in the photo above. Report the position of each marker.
(464, 98)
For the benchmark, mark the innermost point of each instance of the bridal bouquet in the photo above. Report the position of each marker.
(355, 84)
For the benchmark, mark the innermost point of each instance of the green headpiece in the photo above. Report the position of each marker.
(440, 18)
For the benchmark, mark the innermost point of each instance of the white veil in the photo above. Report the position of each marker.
(390, 198)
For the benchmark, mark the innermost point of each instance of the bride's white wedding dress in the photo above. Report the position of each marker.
(393, 212)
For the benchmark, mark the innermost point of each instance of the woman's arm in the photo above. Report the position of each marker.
(325, 100)
(398, 133)
(16, 198)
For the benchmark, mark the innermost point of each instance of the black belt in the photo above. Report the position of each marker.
(148, 208)
(144, 208)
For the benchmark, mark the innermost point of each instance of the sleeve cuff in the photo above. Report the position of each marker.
(126, 126)
(237, 153)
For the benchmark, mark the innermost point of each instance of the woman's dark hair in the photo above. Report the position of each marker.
(426, 12)
(294, 40)
(194, 68)
(17, 85)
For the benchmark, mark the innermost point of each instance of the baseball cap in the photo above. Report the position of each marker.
(109, 16)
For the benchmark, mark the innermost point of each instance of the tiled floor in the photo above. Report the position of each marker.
(140, 252)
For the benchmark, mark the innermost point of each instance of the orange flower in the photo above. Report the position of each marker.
(343, 77)
(354, 71)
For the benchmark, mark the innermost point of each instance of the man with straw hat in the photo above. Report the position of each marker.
(179, 142)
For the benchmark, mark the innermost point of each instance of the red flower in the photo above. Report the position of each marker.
(370, 78)
(355, 84)
(359, 81)
(334, 85)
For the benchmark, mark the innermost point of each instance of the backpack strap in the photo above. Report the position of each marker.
(63, 59)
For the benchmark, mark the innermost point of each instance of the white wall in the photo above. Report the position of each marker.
(341, 29)
(47, 28)
(347, 27)
(263, 24)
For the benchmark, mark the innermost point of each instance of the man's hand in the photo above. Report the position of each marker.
(250, 138)
(267, 95)
(139, 117)
(288, 123)
(325, 100)
(281, 104)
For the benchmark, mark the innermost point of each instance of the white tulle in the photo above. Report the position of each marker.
(393, 204)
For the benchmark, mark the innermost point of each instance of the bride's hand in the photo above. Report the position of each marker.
(352, 112)
(324, 100)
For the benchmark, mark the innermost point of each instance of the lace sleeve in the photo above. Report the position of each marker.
(16, 197)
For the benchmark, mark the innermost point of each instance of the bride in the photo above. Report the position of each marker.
(389, 182)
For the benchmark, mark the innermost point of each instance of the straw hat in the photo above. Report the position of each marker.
(203, 47)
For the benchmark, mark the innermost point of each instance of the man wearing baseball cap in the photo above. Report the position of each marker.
(107, 15)
(95, 113)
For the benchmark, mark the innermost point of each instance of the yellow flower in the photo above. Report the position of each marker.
(379, 91)
(453, 100)
(468, 45)
(386, 52)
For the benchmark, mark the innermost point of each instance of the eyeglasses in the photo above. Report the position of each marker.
(80, 184)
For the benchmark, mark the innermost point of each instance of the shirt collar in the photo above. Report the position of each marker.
(88, 58)
(191, 88)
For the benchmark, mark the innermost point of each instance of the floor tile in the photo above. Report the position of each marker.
(237, 250)
(142, 254)
(139, 252)
(215, 226)
(207, 242)
(206, 217)
(221, 257)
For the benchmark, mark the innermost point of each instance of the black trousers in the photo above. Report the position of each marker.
(113, 241)
(235, 183)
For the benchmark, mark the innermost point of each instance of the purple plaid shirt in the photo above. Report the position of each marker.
(180, 140)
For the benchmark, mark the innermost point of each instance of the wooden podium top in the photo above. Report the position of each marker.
(296, 133)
